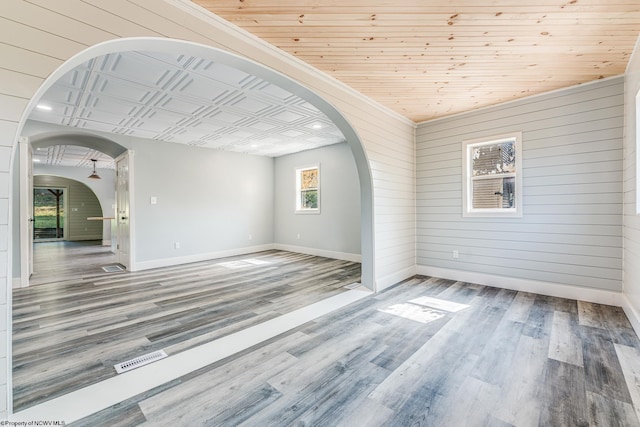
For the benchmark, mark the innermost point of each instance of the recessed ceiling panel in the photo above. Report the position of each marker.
(204, 90)
(274, 91)
(138, 69)
(221, 73)
(252, 106)
(287, 117)
(114, 87)
(71, 156)
(227, 117)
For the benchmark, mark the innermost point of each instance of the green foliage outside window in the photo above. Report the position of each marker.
(310, 199)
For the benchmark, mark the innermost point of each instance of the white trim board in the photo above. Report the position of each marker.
(599, 296)
(319, 252)
(167, 262)
(631, 312)
(187, 259)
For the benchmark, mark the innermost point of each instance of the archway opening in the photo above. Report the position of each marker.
(173, 47)
(350, 136)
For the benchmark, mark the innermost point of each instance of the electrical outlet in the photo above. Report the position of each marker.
(298, 236)
(176, 245)
(250, 237)
(455, 255)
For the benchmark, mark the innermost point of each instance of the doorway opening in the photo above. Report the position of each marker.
(49, 214)
(125, 227)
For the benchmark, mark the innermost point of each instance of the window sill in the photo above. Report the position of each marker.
(493, 213)
(308, 212)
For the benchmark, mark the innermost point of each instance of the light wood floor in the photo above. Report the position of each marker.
(62, 260)
(69, 332)
(427, 352)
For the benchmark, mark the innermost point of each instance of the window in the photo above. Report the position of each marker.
(308, 189)
(492, 182)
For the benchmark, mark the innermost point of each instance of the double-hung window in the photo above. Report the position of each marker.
(308, 189)
(492, 176)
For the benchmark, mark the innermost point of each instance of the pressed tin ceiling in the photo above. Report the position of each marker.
(182, 99)
(427, 59)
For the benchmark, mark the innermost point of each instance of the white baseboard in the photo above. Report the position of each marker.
(319, 252)
(396, 277)
(167, 262)
(16, 282)
(632, 313)
(599, 296)
(85, 238)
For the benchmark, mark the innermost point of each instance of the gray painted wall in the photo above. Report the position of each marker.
(207, 200)
(81, 203)
(210, 201)
(571, 231)
(337, 227)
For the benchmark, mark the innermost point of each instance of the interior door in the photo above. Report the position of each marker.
(123, 210)
(30, 201)
(26, 211)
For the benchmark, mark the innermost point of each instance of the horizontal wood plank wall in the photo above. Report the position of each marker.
(631, 285)
(36, 38)
(571, 230)
(82, 203)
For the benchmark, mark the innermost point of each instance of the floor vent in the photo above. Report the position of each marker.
(140, 361)
(112, 268)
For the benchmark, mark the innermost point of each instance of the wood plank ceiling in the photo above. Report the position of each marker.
(432, 58)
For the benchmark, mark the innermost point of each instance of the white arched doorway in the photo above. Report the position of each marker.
(49, 139)
(183, 47)
(351, 137)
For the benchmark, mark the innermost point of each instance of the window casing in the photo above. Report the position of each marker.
(492, 176)
(308, 189)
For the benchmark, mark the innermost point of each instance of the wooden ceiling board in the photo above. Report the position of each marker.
(427, 59)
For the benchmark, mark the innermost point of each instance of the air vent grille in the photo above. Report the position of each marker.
(112, 268)
(139, 361)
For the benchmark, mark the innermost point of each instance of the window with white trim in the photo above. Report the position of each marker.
(308, 189)
(492, 176)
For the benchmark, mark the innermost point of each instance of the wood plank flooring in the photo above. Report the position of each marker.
(68, 333)
(427, 352)
(63, 260)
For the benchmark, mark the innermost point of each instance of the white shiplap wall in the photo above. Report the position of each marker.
(631, 282)
(571, 230)
(36, 38)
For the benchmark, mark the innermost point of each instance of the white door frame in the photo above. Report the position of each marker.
(26, 211)
(132, 259)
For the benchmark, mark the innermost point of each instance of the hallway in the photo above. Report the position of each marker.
(64, 260)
